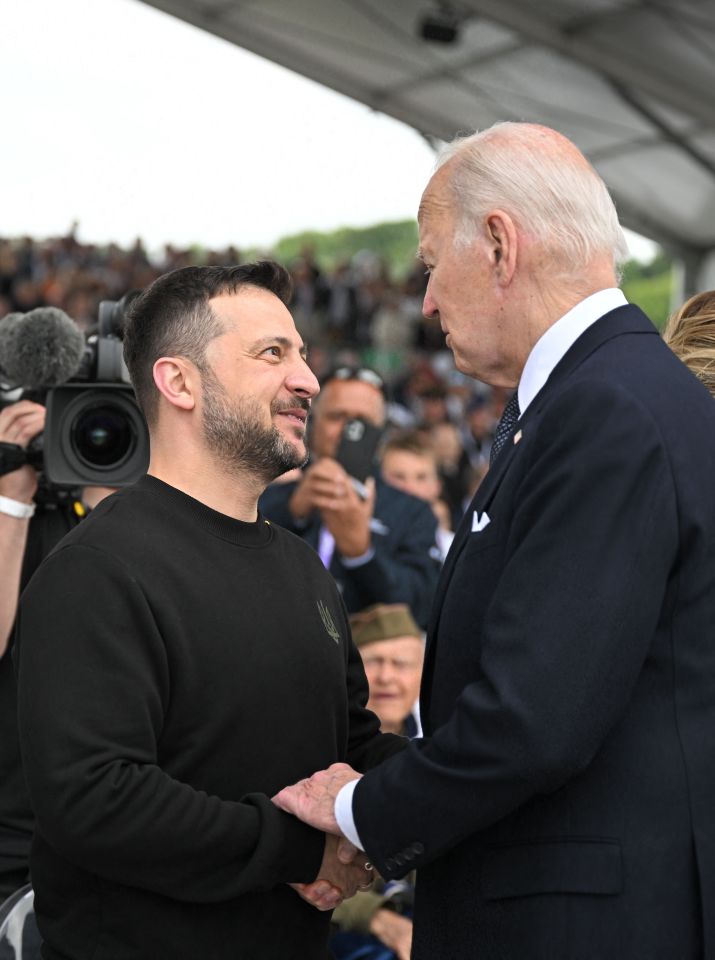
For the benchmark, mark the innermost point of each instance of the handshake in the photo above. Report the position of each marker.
(344, 869)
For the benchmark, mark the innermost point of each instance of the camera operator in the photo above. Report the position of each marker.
(19, 423)
(32, 520)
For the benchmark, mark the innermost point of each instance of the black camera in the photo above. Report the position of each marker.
(95, 434)
(356, 452)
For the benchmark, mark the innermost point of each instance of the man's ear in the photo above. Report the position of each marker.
(178, 381)
(502, 238)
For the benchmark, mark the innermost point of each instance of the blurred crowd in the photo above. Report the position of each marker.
(355, 304)
(62, 272)
(357, 314)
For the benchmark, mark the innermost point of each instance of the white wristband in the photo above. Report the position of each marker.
(15, 508)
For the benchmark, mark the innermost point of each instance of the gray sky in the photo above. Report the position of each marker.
(136, 124)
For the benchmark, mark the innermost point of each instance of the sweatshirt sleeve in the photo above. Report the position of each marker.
(93, 689)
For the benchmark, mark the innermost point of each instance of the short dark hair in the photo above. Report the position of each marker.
(409, 441)
(173, 317)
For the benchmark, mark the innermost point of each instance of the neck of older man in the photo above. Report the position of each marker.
(543, 298)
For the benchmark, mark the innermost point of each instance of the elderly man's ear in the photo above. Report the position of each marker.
(502, 237)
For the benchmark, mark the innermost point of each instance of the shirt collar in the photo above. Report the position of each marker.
(556, 341)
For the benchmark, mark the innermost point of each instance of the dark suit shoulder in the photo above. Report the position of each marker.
(587, 397)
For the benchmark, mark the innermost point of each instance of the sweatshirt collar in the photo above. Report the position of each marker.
(244, 534)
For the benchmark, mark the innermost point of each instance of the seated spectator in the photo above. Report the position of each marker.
(341, 306)
(392, 329)
(432, 405)
(379, 549)
(409, 463)
(451, 465)
(309, 297)
(478, 429)
(473, 480)
(392, 650)
(690, 334)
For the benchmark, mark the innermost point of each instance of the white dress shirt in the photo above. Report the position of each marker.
(545, 355)
(560, 337)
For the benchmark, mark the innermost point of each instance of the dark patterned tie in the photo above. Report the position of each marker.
(506, 425)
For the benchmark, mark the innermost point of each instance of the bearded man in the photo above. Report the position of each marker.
(180, 659)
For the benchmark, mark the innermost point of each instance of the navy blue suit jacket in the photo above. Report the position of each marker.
(404, 568)
(562, 805)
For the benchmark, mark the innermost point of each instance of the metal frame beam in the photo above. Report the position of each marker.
(635, 69)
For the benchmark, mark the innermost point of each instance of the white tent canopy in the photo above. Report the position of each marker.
(632, 82)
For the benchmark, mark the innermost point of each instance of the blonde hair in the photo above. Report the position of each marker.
(690, 334)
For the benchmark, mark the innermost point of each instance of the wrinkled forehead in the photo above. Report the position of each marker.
(437, 199)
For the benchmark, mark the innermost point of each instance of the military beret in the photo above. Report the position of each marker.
(383, 621)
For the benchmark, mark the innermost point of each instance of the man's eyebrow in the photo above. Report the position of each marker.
(420, 255)
(281, 341)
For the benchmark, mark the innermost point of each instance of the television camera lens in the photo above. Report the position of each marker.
(103, 436)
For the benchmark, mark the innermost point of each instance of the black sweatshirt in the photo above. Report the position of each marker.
(177, 668)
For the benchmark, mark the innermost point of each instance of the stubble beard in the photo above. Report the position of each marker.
(234, 432)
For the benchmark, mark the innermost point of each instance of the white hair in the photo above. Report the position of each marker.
(541, 180)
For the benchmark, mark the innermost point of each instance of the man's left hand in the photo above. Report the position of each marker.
(313, 799)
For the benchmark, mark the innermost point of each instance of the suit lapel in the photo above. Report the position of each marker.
(482, 498)
(623, 320)
(480, 502)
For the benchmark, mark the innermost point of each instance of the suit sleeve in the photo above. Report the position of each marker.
(93, 688)
(590, 544)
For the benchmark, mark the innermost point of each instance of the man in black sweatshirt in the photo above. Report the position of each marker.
(180, 659)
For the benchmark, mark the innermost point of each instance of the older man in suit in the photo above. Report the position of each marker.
(561, 803)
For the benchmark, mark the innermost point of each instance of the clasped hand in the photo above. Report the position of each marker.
(344, 869)
(343, 872)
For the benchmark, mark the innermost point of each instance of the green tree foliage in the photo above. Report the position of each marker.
(650, 285)
(395, 243)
